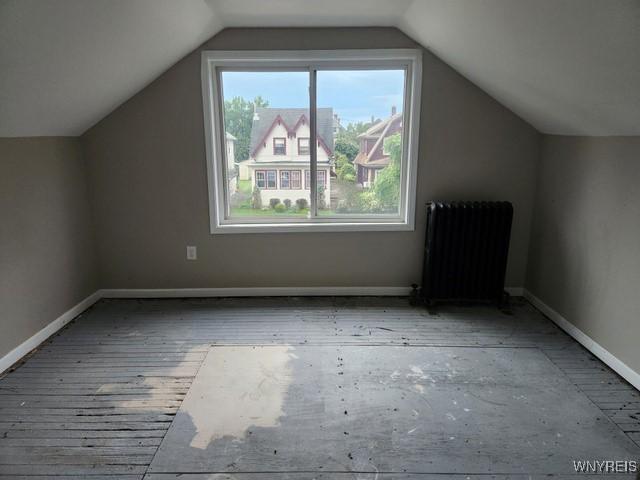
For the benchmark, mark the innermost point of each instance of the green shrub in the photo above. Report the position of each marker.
(302, 203)
(387, 184)
(344, 168)
(280, 208)
(347, 173)
(273, 202)
(322, 203)
(368, 202)
(256, 199)
(287, 203)
(349, 177)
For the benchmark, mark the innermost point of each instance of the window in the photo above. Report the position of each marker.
(279, 146)
(322, 179)
(296, 183)
(266, 179)
(285, 182)
(385, 147)
(290, 180)
(271, 179)
(303, 146)
(262, 99)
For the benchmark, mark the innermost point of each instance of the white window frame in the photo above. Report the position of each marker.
(308, 152)
(311, 61)
(284, 146)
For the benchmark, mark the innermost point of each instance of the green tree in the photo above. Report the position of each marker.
(344, 168)
(238, 117)
(348, 149)
(347, 142)
(350, 133)
(387, 185)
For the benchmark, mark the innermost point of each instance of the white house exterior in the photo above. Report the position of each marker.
(279, 153)
(232, 174)
(243, 169)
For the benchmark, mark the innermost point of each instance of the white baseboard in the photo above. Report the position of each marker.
(25, 347)
(590, 344)
(267, 292)
(254, 292)
(515, 291)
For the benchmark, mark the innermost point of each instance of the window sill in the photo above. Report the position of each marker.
(311, 227)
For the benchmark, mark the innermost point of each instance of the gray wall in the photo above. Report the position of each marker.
(46, 245)
(584, 260)
(148, 180)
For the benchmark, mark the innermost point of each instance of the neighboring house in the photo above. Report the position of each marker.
(232, 172)
(372, 157)
(279, 152)
(243, 169)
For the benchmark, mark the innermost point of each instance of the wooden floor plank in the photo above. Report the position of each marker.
(79, 442)
(108, 385)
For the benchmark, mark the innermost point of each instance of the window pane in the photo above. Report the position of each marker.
(303, 146)
(284, 179)
(360, 128)
(296, 179)
(265, 113)
(279, 146)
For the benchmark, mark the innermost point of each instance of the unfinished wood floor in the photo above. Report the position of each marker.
(97, 399)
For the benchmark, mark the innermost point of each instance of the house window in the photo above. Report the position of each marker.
(385, 148)
(285, 179)
(312, 87)
(303, 146)
(272, 182)
(322, 179)
(290, 180)
(266, 179)
(296, 180)
(279, 146)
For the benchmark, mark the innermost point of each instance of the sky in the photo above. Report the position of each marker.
(355, 95)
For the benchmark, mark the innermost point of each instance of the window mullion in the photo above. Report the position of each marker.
(313, 142)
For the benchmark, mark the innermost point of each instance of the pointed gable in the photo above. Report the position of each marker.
(291, 118)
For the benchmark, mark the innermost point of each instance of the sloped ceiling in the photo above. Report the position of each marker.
(568, 67)
(565, 66)
(65, 64)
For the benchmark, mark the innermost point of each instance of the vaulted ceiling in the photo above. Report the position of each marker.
(568, 67)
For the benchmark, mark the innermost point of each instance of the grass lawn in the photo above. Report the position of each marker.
(244, 186)
(249, 212)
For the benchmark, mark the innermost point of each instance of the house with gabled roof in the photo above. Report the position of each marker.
(279, 152)
(372, 156)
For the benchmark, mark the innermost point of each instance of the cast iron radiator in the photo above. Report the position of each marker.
(466, 250)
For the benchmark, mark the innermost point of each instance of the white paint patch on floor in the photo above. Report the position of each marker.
(257, 409)
(238, 388)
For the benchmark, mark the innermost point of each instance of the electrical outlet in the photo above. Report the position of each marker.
(192, 252)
